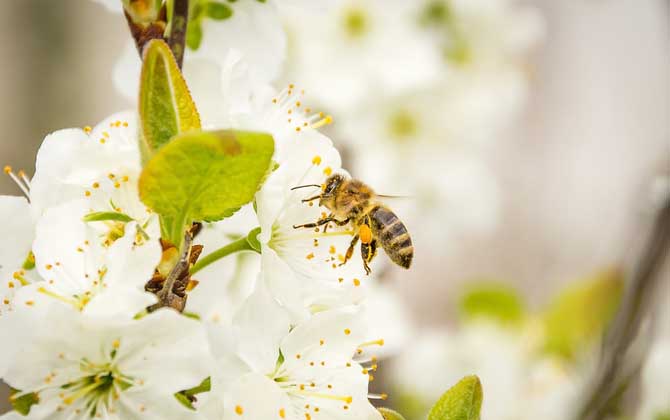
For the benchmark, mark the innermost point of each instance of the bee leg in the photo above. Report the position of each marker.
(318, 223)
(368, 252)
(350, 250)
(337, 222)
(322, 222)
(307, 200)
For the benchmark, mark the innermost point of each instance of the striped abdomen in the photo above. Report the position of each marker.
(392, 235)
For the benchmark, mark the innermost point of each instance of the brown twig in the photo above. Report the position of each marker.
(178, 26)
(143, 32)
(616, 368)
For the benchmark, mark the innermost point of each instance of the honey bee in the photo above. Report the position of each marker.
(350, 201)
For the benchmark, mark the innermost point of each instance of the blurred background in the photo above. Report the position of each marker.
(532, 159)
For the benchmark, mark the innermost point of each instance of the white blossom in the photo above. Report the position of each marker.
(360, 47)
(302, 267)
(16, 260)
(307, 371)
(79, 269)
(100, 165)
(82, 367)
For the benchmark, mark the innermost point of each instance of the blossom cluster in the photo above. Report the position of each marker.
(277, 333)
(280, 335)
(283, 329)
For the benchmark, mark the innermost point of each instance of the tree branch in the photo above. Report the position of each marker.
(144, 32)
(178, 26)
(615, 370)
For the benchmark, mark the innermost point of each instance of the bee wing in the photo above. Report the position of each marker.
(385, 197)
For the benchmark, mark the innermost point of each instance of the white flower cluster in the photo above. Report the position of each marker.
(283, 335)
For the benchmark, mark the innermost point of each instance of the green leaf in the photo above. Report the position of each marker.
(493, 301)
(29, 262)
(165, 106)
(194, 34)
(389, 414)
(252, 238)
(218, 11)
(665, 415)
(412, 404)
(580, 314)
(23, 403)
(191, 315)
(187, 397)
(204, 176)
(204, 386)
(101, 216)
(184, 400)
(463, 401)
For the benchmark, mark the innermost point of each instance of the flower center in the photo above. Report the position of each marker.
(101, 385)
(402, 124)
(93, 393)
(355, 23)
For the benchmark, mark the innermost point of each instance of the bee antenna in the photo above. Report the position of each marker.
(305, 186)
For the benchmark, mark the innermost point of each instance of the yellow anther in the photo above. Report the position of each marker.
(8, 169)
(316, 160)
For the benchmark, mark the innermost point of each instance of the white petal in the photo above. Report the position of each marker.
(129, 266)
(261, 313)
(254, 30)
(62, 255)
(334, 335)
(70, 161)
(282, 283)
(256, 398)
(126, 72)
(18, 231)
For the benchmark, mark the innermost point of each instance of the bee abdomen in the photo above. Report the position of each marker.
(392, 235)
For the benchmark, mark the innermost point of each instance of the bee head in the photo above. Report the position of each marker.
(330, 187)
(331, 184)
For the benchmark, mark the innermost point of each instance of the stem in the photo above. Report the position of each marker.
(178, 25)
(144, 32)
(239, 245)
(615, 370)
